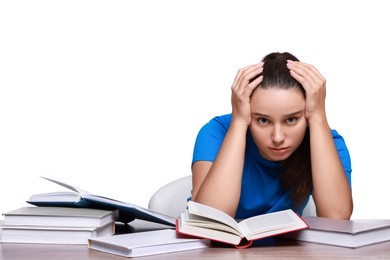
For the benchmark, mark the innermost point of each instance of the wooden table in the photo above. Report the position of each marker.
(275, 249)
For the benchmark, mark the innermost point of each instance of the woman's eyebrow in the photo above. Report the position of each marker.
(288, 115)
(259, 114)
(294, 113)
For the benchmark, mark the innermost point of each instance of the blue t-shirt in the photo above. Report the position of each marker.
(261, 190)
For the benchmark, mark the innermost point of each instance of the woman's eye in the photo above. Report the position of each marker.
(263, 121)
(291, 120)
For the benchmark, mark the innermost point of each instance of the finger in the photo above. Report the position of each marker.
(248, 78)
(251, 86)
(238, 76)
(314, 73)
(304, 69)
(244, 71)
(305, 74)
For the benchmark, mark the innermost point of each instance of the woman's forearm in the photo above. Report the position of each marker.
(331, 190)
(220, 187)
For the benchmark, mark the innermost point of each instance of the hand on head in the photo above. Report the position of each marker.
(313, 83)
(244, 83)
(247, 79)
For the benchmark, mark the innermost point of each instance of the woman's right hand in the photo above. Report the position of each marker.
(242, 89)
(218, 183)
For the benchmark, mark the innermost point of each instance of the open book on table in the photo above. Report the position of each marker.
(80, 198)
(206, 222)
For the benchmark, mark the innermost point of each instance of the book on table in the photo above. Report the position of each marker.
(59, 216)
(206, 222)
(56, 225)
(345, 233)
(54, 235)
(147, 243)
(77, 197)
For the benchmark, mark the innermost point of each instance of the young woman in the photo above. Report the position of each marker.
(275, 148)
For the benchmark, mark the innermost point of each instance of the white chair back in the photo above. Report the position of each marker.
(171, 199)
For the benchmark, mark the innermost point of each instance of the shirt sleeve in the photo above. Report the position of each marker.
(209, 139)
(343, 154)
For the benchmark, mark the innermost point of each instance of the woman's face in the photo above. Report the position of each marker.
(278, 121)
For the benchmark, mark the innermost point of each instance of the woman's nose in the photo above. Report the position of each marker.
(278, 134)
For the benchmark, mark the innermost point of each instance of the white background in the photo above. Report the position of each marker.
(109, 95)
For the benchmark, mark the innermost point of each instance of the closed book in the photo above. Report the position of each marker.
(345, 233)
(59, 216)
(54, 235)
(146, 243)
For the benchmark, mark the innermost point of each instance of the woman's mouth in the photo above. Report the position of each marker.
(280, 150)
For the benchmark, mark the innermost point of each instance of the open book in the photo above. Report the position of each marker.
(206, 222)
(81, 198)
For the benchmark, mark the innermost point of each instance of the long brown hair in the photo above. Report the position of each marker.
(297, 168)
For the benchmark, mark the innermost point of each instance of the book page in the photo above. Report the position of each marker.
(55, 197)
(212, 213)
(269, 222)
(63, 184)
(204, 222)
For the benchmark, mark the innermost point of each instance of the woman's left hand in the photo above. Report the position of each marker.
(315, 87)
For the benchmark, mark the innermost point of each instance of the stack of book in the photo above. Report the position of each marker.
(56, 225)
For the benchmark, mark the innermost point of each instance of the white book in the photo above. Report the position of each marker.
(59, 216)
(344, 233)
(146, 243)
(54, 235)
